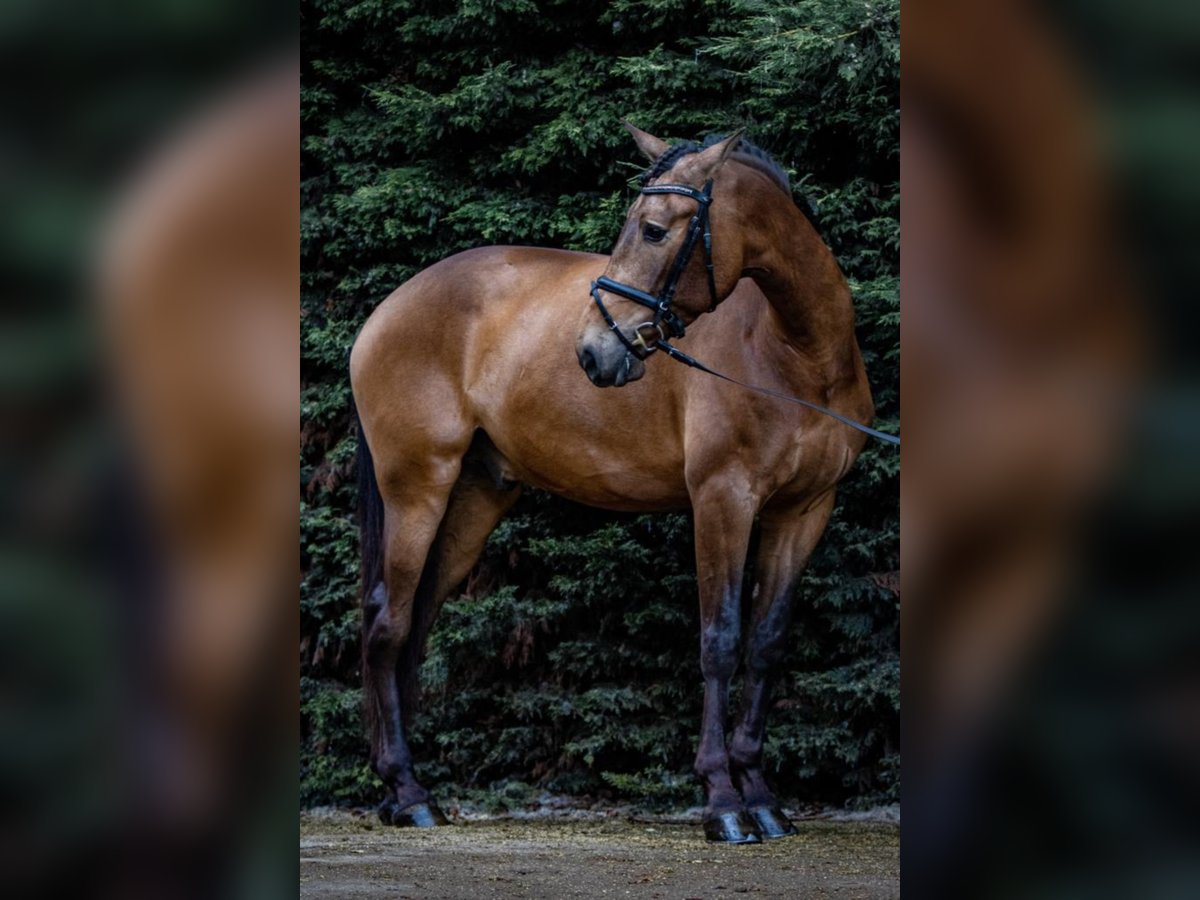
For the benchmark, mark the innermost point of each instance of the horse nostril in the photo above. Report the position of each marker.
(588, 360)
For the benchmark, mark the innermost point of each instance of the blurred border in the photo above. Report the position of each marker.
(1050, 628)
(1050, 482)
(149, 455)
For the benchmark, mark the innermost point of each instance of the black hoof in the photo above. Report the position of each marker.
(771, 822)
(417, 815)
(732, 828)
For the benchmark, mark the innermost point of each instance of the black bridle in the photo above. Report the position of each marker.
(643, 344)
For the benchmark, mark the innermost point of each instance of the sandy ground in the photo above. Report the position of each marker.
(348, 856)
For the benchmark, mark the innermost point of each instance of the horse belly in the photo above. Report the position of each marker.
(585, 473)
(582, 443)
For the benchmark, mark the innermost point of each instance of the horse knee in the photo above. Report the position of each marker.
(719, 643)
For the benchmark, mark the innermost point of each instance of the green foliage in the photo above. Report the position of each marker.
(570, 663)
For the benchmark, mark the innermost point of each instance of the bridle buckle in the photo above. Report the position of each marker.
(639, 340)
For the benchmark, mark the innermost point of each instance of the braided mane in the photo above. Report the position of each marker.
(746, 152)
(750, 154)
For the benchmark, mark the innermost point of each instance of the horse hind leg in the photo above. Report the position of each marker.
(410, 524)
(787, 540)
(431, 542)
(477, 503)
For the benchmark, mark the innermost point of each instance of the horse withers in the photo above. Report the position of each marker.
(467, 385)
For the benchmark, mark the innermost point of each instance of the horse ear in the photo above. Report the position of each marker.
(712, 158)
(650, 146)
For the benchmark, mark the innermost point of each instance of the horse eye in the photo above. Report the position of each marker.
(653, 233)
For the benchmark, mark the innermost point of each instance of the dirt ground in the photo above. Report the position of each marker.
(350, 856)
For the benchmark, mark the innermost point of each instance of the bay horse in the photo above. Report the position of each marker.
(467, 385)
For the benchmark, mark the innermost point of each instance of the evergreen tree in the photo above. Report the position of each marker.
(570, 661)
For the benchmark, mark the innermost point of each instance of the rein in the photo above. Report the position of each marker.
(677, 354)
(643, 344)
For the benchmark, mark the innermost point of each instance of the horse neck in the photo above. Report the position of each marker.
(798, 275)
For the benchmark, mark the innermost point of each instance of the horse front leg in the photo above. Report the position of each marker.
(724, 517)
(787, 540)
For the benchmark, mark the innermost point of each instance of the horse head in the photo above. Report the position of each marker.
(666, 268)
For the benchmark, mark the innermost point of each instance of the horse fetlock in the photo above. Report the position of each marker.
(395, 770)
(745, 752)
(388, 765)
(712, 765)
(409, 792)
(721, 799)
(752, 786)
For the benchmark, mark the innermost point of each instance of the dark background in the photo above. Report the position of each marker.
(569, 662)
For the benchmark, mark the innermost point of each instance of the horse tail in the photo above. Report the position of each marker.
(370, 547)
(370, 520)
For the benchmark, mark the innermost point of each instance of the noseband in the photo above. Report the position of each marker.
(649, 335)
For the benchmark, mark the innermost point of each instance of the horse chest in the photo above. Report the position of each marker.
(806, 463)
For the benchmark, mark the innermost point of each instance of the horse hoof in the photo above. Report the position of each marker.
(732, 828)
(771, 822)
(416, 815)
